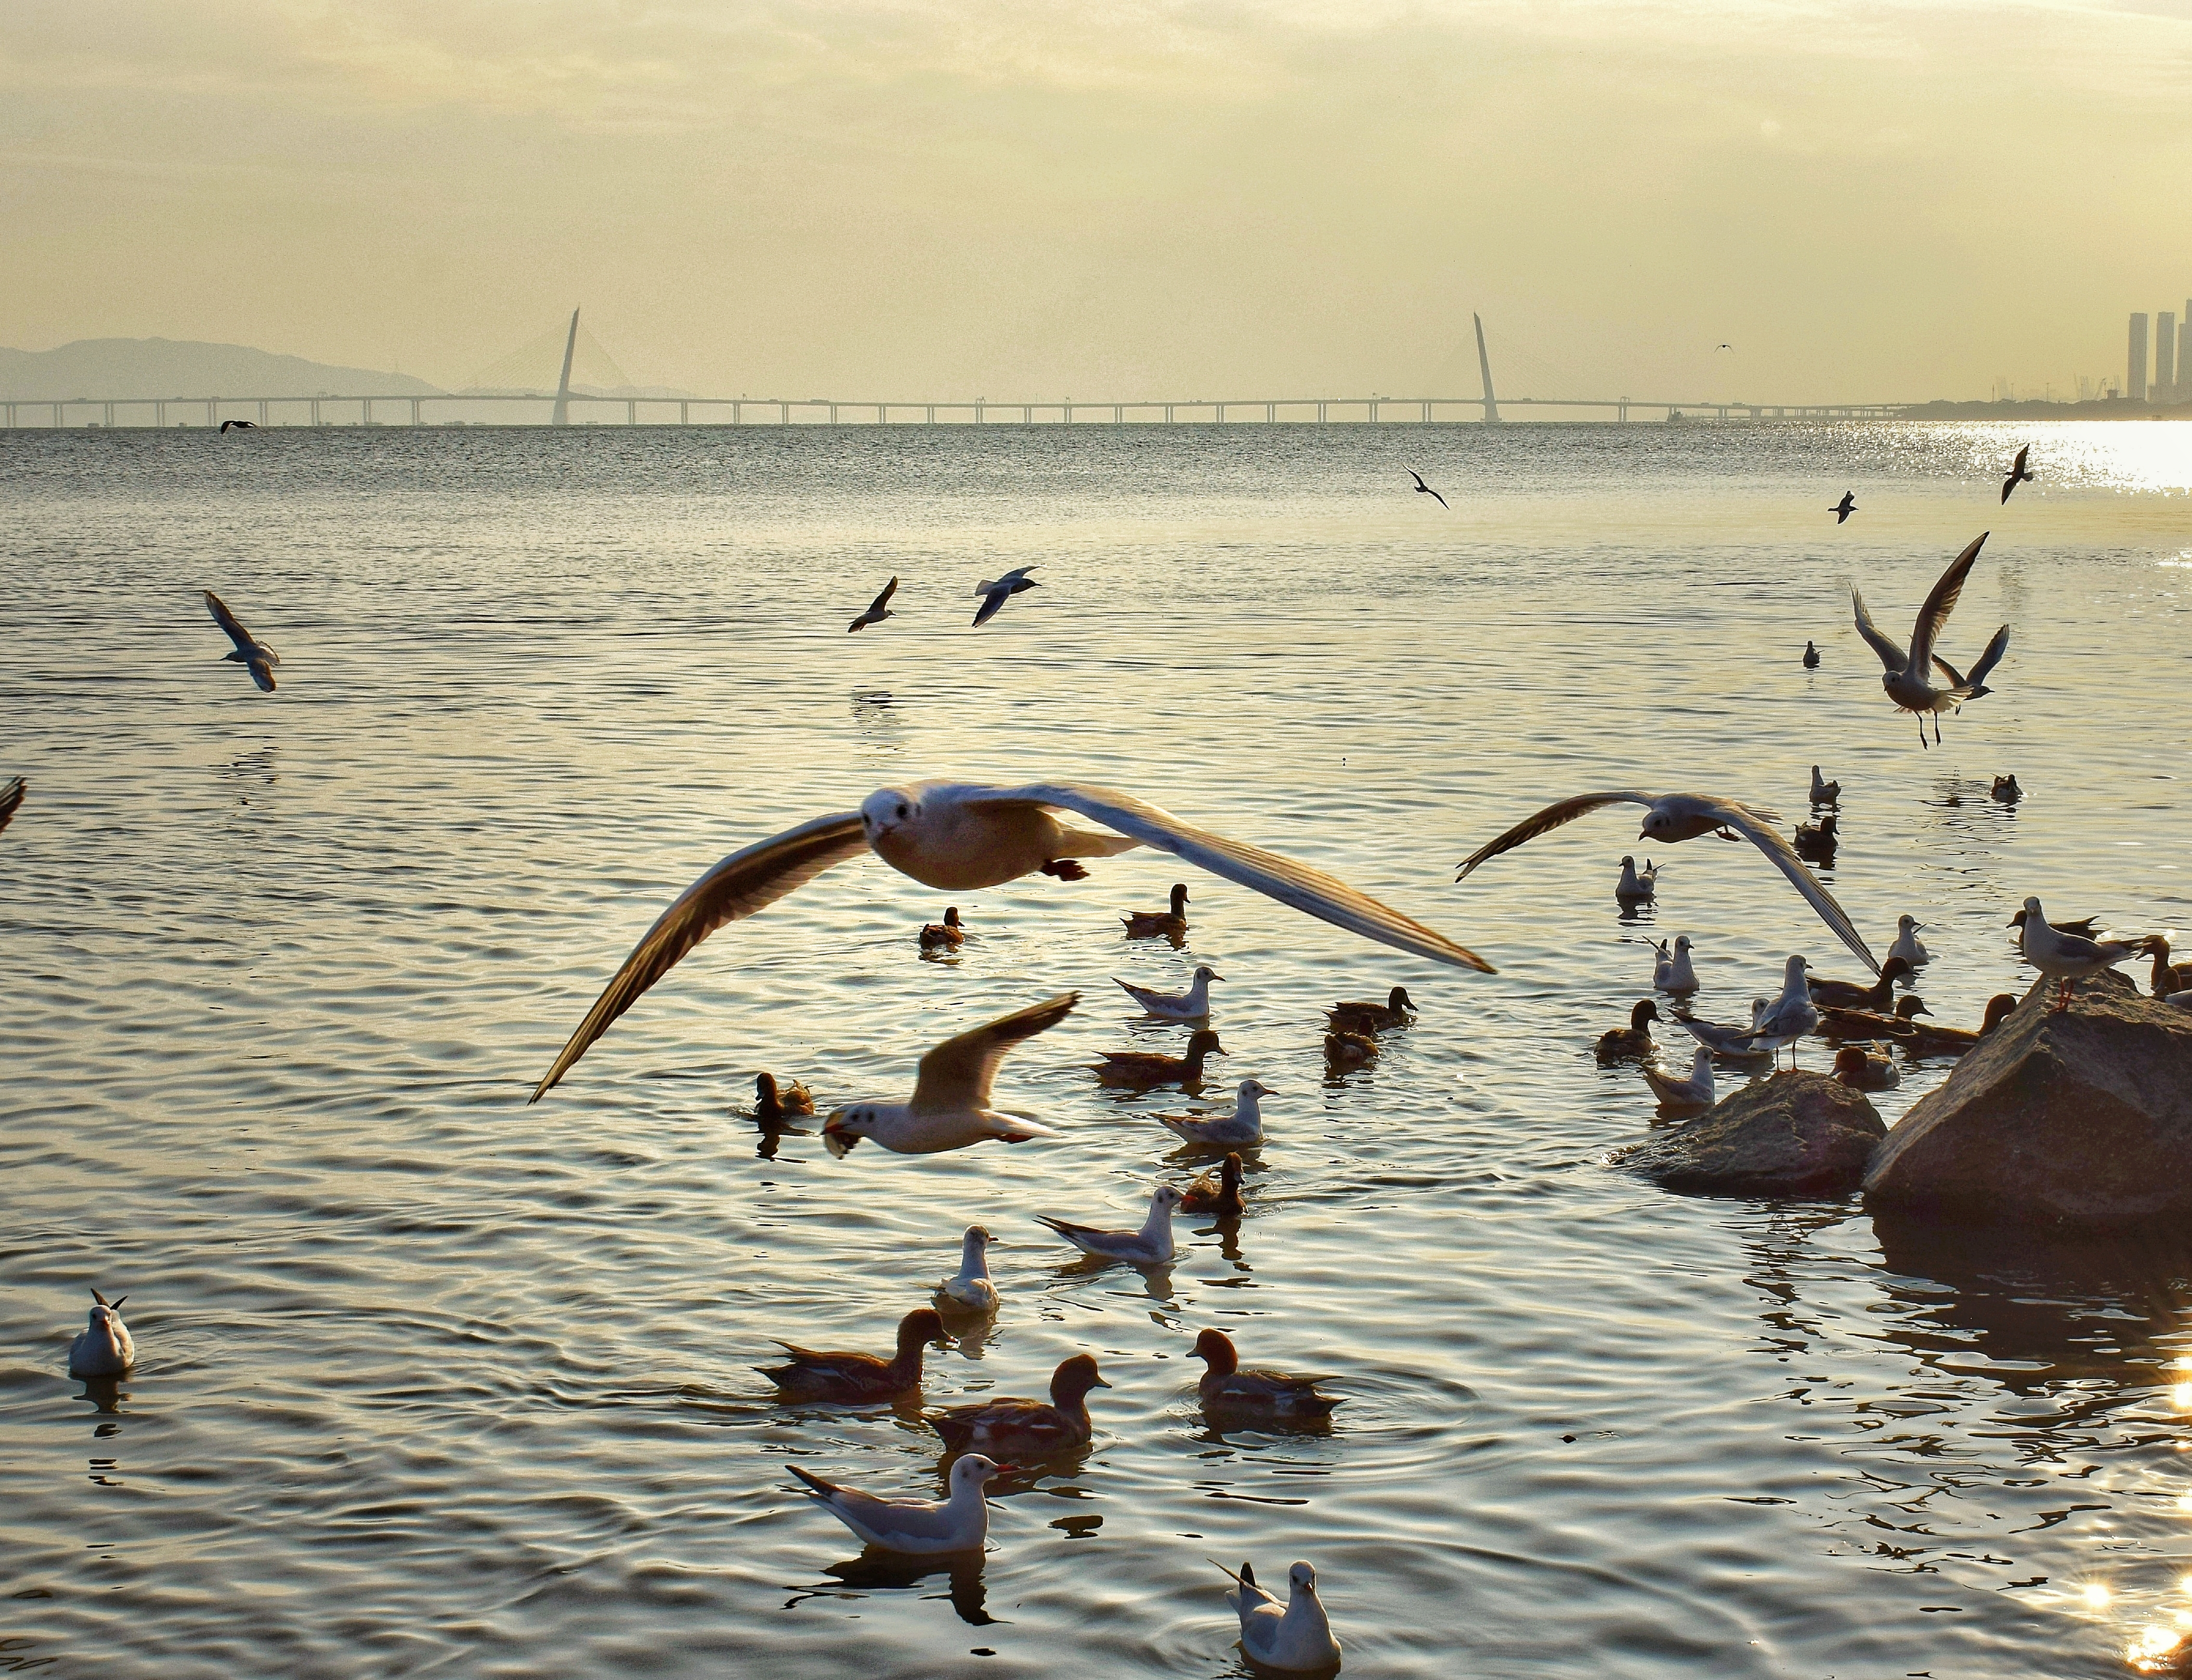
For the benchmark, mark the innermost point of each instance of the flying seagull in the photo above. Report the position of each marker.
(1842, 509)
(1670, 818)
(1424, 489)
(2017, 474)
(239, 425)
(950, 1109)
(250, 651)
(878, 609)
(994, 593)
(1907, 678)
(961, 836)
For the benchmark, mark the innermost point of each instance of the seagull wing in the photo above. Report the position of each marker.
(1552, 816)
(1440, 499)
(1991, 658)
(1939, 604)
(999, 592)
(955, 1076)
(262, 670)
(11, 795)
(1310, 891)
(742, 883)
(229, 622)
(1771, 841)
(1890, 652)
(1418, 478)
(883, 600)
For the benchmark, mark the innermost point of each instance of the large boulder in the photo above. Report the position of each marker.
(2075, 1122)
(1795, 1135)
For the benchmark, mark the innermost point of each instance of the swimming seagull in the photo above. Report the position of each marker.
(2017, 474)
(1694, 1092)
(1824, 792)
(1907, 945)
(11, 796)
(1151, 1246)
(1424, 489)
(2066, 958)
(1297, 1637)
(878, 609)
(105, 1348)
(1192, 1004)
(950, 1104)
(1842, 509)
(1673, 972)
(250, 652)
(1637, 886)
(1240, 1130)
(1907, 678)
(995, 592)
(1789, 1017)
(970, 1289)
(959, 836)
(959, 1523)
(1670, 818)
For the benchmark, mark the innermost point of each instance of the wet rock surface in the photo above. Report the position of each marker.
(1795, 1135)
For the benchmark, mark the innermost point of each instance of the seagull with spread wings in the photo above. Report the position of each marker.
(1671, 818)
(11, 796)
(878, 609)
(995, 592)
(1908, 678)
(960, 837)
(951, 1108)
(251, 652)
(2017, 474)
(1424, 489)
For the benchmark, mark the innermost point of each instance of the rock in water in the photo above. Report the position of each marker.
(1797, 1134)
(2063, 1123)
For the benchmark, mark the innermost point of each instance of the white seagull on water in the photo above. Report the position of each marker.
(1239, 1129)
(105, 1348)
(958, 836)
(970, 1290)
(1151, 1246)
(1673, 972)
(1192, 1004)
(1907, 677)
(959, 1523)
(1296, 1636)
(951, 1105)
(1670, 818)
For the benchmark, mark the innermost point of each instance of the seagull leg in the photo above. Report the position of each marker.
(1066, 869)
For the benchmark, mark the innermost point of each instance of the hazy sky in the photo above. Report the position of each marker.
(942, 198)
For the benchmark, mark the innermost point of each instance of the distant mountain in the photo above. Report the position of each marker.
(170, 368)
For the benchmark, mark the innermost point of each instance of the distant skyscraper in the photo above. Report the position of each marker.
(2135, 370)
(2164, 358)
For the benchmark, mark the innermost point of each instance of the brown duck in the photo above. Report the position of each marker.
(1159, 924)
(1397, 1010)
(859, 1376)
(1848, 994)
(1349, 1049)
(1225, 1387)
(948, 935)
(2168, 976)
(1926, 1040)
(1025, 1429)
(773, 1101)
(1867, 1024)
(1220, 1196)
(1616, 1043)
(1143, 1069)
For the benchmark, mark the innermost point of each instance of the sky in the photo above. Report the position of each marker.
(1035, 199)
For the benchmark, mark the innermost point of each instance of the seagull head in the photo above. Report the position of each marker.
(972, 1470)
(2031, 911)
(846, 1127)
(1302, 1579)
(1252, 1090)
(1208, 973)
(106, 1315)
(1167, 1198)
(887, 809)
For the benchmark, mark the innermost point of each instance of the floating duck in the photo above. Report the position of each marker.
(859, 1376)
(1616, 1043)
(2006, 791)
(1907, 945)
(2167, 976)
(1343, 1050)
(1295, 1637)
(1221, 1196)
(1143, 1069)
(970, 1289)
(1241, 1128)
(948, 935)
(1159, 924)
(951, 1105)
(1637, 886)
(1026, 1429)
(1926, 1040)
(1673, 972)
(1866, 1023)
(922, 1527)
(1397, 1010)
(105, 1348)
(1849, 994)
(1823, 792)
(773, 1101)
(1151, 1246)
(1225, 1387)
(1862, 1069)
(1192, 1004)
(1810, 656)
(1694, 1092)
(1816, 841)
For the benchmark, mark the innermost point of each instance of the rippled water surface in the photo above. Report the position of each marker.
(435, 1382)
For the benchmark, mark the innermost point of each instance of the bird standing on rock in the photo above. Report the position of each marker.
(2066, 958)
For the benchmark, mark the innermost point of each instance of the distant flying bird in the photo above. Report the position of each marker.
(1670, 818)
(878, 609)
(1724, 347)
(239, 425)
(250, 651)
(994, 593)
(11, 796)
(2017, 475)
(961, 837)
(1424, 489)
(1842, 509)
(1908, 678)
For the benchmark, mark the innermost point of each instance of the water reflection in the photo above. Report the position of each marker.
(875, 1571)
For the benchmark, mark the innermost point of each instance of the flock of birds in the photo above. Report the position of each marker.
(959, 837)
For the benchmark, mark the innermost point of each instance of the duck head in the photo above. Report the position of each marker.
(1911, 1007)
(1215, 1348)
(1229, 1170)
(1178, 898)
(1070, 1383)
(1399, 998)
(1998, 1010)
(922, 1328)
(1204, 1042)
(1645, 1009)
